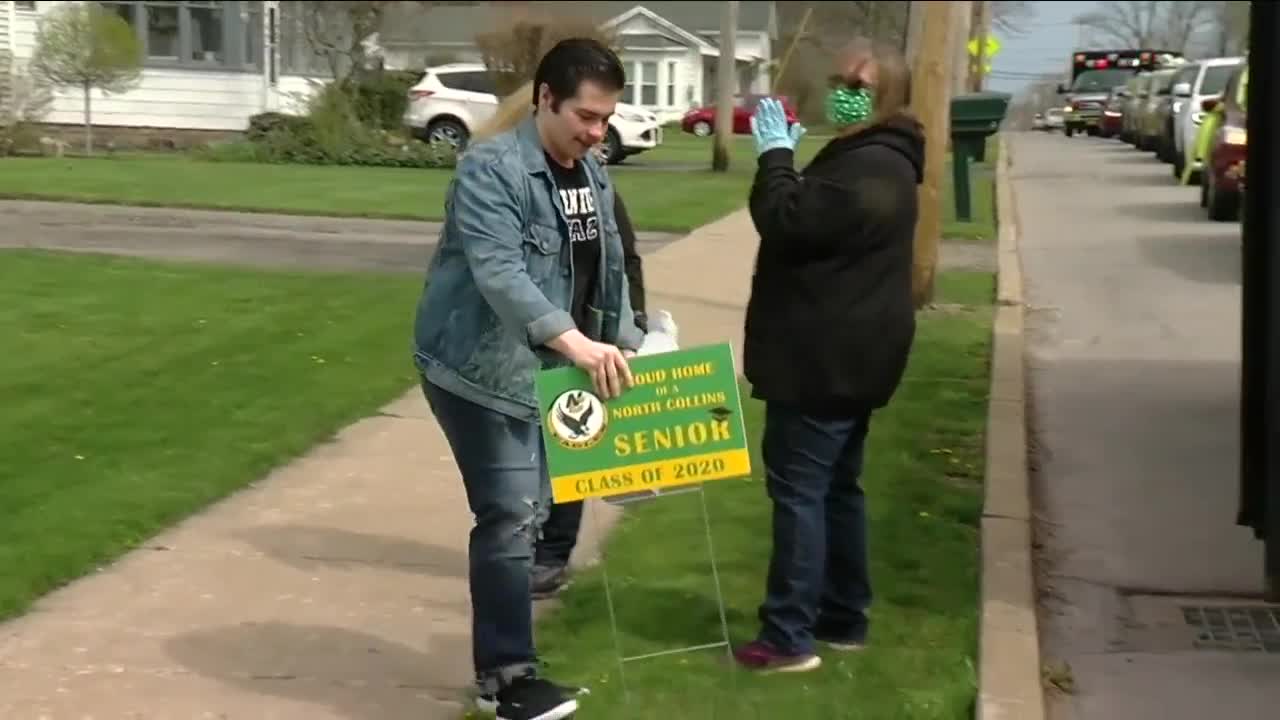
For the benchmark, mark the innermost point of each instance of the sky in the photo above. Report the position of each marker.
(1046, 47)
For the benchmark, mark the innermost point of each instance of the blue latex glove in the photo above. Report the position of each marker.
(769, 126)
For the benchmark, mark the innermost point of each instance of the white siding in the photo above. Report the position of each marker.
(24, 30)
(677, 69)
(748, 44)
(170, 99)
(164, 98)
(6, 59)
(293, 91)
(637, 24)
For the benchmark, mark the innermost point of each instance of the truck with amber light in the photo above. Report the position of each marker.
(1094, 74)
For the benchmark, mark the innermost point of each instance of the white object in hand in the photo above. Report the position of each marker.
(663, 335)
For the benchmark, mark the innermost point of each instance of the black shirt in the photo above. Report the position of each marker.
(578, 199)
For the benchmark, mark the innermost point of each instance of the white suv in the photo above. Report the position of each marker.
(449, 101)
(1209, 80)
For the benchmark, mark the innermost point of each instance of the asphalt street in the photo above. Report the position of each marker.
(1134, 360)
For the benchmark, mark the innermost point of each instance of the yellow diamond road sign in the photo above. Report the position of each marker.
(993, 46)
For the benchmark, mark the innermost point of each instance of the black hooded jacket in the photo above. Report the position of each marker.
(830, 322)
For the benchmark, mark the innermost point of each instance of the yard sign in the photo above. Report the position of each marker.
(679, 424)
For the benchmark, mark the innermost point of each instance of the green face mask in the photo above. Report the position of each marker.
(848, 107)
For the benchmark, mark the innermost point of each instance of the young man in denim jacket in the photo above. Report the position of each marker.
(528, 275)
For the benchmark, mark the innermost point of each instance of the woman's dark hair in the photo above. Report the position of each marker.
(572, 61)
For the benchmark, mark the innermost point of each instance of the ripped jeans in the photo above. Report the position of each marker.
(505, 473)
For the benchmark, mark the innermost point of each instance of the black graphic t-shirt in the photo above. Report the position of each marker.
(579, 202)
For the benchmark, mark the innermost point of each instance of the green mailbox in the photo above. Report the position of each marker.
(974, 118)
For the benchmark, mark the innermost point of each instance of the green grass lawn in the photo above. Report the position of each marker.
(136, 393)
(667, 189)
(923, 478)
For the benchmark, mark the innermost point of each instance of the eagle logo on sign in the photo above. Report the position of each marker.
(577, 419)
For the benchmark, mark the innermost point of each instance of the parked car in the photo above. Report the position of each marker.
(1159, 90)
(1113, 113)
(1054, 119)
(1162, 120)
(1220, 181)
(1037, 122)
(449, 101)
(1137, 89)
(1208, 80)
(701, 121)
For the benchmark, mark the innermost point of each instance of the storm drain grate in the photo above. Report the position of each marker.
(1237, 628)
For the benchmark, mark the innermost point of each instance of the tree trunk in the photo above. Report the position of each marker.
(88, 119)
(726, 79)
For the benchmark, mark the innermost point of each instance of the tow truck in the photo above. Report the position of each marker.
(1094, 73)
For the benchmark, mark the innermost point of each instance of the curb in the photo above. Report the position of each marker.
(1009, 684)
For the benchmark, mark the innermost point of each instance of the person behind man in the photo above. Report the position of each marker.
(528, 275)
(559, 532)
(829, 326)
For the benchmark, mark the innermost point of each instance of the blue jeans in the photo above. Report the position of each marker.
(505, 473)
(818, 572)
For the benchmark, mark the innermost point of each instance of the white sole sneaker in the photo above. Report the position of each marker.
(813, 662)
(489, 705)
(559, 712)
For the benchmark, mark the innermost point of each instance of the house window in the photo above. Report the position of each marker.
(648, 83)
(671, 83)
(30, 6)
(207, 35)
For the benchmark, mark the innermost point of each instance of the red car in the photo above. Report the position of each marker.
(1113, 114)
(702, 121)
(1223, 180)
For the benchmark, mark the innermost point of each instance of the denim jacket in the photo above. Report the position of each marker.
(501, 282)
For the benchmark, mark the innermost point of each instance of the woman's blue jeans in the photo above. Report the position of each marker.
(818, 572)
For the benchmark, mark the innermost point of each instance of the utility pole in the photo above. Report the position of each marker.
(726, 80)
(931, 100)
(915, 25)
(1260, 351)
(960, 34)
(981, 30)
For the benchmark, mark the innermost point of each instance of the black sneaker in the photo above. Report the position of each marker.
(547, 580)
(488, 703)
(531, 699)
(840, 639)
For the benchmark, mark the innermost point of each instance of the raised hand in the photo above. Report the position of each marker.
(769, 126)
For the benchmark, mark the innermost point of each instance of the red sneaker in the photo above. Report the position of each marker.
(763, 657)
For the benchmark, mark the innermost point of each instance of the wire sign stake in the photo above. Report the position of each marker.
(678, 427)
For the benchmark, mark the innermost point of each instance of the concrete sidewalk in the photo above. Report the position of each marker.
(335, 588)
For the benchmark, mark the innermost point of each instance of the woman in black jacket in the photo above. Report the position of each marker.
(829, 326)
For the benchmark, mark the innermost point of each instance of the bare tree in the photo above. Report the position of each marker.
(1011, 17)
(86, 47)
(1163, 25)
(1231, 19)
(831, 26)
(340, 33)
(512, 52)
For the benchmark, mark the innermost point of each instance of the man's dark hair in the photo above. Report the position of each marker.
(573, 60)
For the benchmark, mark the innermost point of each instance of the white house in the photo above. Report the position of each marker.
(210, 66)
(670, 48)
